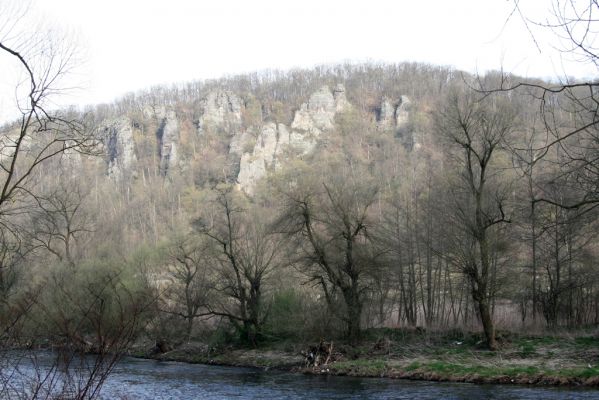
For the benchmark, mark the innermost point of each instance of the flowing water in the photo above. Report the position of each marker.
(149, 379)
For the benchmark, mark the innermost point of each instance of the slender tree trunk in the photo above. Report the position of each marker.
(535, 299)
(487, 321)
(354, 313)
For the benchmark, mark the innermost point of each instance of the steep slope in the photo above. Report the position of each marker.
(252, 149)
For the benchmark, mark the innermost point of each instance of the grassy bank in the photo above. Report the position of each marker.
(558, 359)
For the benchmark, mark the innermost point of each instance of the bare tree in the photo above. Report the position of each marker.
(569, 109)
(93, 319)
(39, 134)
(189, 292)
(246, 252)
(59, 220)
(330, 224)
(478, 131)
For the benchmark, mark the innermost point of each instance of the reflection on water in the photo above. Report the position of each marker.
(148, 379)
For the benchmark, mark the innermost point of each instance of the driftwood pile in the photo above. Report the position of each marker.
(322, 354)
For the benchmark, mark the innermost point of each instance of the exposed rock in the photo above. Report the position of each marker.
(156, 111)
(254, 166)
(169, 141)
(341, 103)
(301, 143)
(318, 114)
(240, 142)
(402, 112)
(276, 142)
(394, 116)
(119, 146)
(303, 121)
(220, 110)
(387, 114)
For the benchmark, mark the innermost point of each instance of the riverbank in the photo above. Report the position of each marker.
(560, 359)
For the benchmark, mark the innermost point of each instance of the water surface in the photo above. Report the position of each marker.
(150, 379)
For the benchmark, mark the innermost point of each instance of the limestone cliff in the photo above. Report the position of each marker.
(386, 114)
(394, 114)
(235, 139)
(220, 110)
(169, 141)
(402, 112)
(276, 142)
(117, 136)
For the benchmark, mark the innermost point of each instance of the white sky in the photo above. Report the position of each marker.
(134, 44)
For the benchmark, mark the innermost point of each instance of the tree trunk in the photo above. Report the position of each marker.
(354, 314)
(487, 320)
(189, 327)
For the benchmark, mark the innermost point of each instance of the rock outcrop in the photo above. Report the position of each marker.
(259, 150)
(169, 141)
(402, 112)
(276, 142)
(255, 165)
(241, 141)
(317, 114)
(387, 114)
(220, 110)
(394, 115)
(119, 146)
(341, 103)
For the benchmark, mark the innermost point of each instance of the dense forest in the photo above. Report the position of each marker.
(406, 198)
(300, 204)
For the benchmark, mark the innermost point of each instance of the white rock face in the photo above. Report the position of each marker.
(387, 115)
(341, 103)
(254, 165)
(317, 114)
(119, 146)
(156, 111)
(277, 143)
(402, 112)
(220, 109)
(394, 115)
(169, 142)
(240, 141)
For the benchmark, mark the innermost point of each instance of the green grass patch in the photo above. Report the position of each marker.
(457, 370)
(586, 341)
(578, 372)
(450, 369)
(413, 366)
(527, 349)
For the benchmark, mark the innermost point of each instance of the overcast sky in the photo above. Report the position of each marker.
(133, 44)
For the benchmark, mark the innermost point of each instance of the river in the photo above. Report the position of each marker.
(149, 379)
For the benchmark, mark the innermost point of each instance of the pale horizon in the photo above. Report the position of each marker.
(135, 45)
